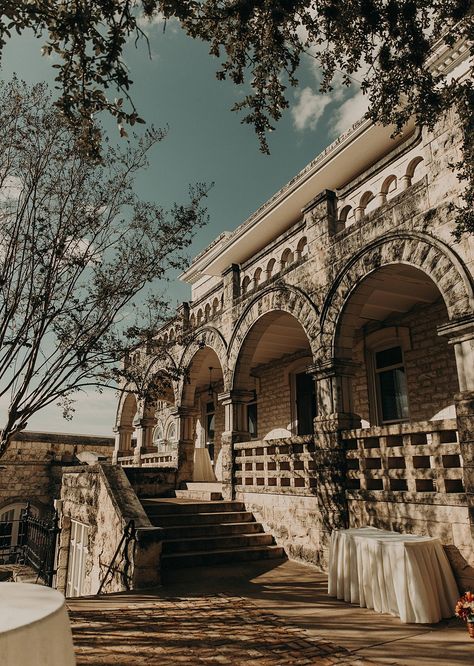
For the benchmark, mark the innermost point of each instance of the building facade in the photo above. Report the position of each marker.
(325, 361)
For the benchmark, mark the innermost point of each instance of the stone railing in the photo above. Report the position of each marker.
(150, 459)
(160, 459)
(276, 465)
(421, 457)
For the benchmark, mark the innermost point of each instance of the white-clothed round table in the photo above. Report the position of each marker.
(405, 575)
(34, 627)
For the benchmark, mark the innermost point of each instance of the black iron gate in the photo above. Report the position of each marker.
(31, 540)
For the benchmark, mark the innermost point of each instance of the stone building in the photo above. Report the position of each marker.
(31, 471)
(327, 353)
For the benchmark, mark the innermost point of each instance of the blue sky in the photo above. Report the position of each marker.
(205, 142)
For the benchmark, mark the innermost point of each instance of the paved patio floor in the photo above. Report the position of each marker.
(257, 614)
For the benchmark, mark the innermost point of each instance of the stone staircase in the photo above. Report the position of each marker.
(198, 533)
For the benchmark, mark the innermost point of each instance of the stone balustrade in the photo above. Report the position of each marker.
(421, 457)
(278, 465)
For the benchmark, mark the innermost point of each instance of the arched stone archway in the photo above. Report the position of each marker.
(429, 255)
(281, 298)
(207, 337)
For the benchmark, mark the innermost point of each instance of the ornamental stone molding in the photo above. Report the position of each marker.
(426, 253)
(278, 297)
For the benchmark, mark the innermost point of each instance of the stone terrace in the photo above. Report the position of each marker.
(256, 614)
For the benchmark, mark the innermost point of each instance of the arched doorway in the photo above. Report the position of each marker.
(271, 366)
(203, 382)
(404, 371)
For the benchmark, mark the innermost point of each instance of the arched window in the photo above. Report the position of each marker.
(257, 276)
(207, 312)
(172, 335)
(365, 199)
(287, 258)
(270, 268)
(346, 215)
(301, 248)
(389, 186)
(192, 321)
(215, 306)
(245, 284)
(171, 433)
(199, 317)
(413, 165)
(12, 529)
(158, 434)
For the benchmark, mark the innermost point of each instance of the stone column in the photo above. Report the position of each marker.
(123, 442)
(144, 430)
(185, 420)
(235, 430)
(460, 334)
(334, 413)
(334, 400)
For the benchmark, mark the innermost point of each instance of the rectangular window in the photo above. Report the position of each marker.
(252, 419)
(305, 403)
(210, 428)
(391, 385)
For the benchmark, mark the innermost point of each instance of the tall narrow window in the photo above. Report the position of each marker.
(210, 427)
(391, 385)
(252, 425)
(305, 403)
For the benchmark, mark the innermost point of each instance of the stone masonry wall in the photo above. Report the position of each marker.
(101, 498)
(430, 367)
(31, 468)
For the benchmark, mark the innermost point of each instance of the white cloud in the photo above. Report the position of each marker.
(309, 108)
(148, 24)
(350, 112)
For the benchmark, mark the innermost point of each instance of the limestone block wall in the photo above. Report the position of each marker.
(102, 498)
(430, 367)
(294, 520)
(31, 468)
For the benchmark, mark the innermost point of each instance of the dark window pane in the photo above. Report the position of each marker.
(210, 419)
(393, 395)
(210, 407)
(388, 357)
(305, 403)
(252, 419)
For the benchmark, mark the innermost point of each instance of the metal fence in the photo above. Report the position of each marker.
(31, 540)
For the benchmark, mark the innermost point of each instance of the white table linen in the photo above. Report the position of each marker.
(202, 466)
(405, 575)
(34, 627)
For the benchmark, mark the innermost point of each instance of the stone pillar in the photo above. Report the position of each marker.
(185, 420)
(123, 442)
(460, 334)
(334, 400)
(144, 429)
(235, 430)
(405, 182)
(334, 413)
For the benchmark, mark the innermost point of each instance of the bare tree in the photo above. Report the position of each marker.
(77, 250)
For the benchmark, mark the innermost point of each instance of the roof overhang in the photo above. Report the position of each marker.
(342, 161)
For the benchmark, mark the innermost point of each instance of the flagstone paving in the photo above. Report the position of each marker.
(210, 630)
(258, 614)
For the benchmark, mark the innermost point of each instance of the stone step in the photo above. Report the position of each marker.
(212, 518)
(173, 532)
(158, 507)
(211, 486)
(202, 495)
(216, 543)
(200, 558)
